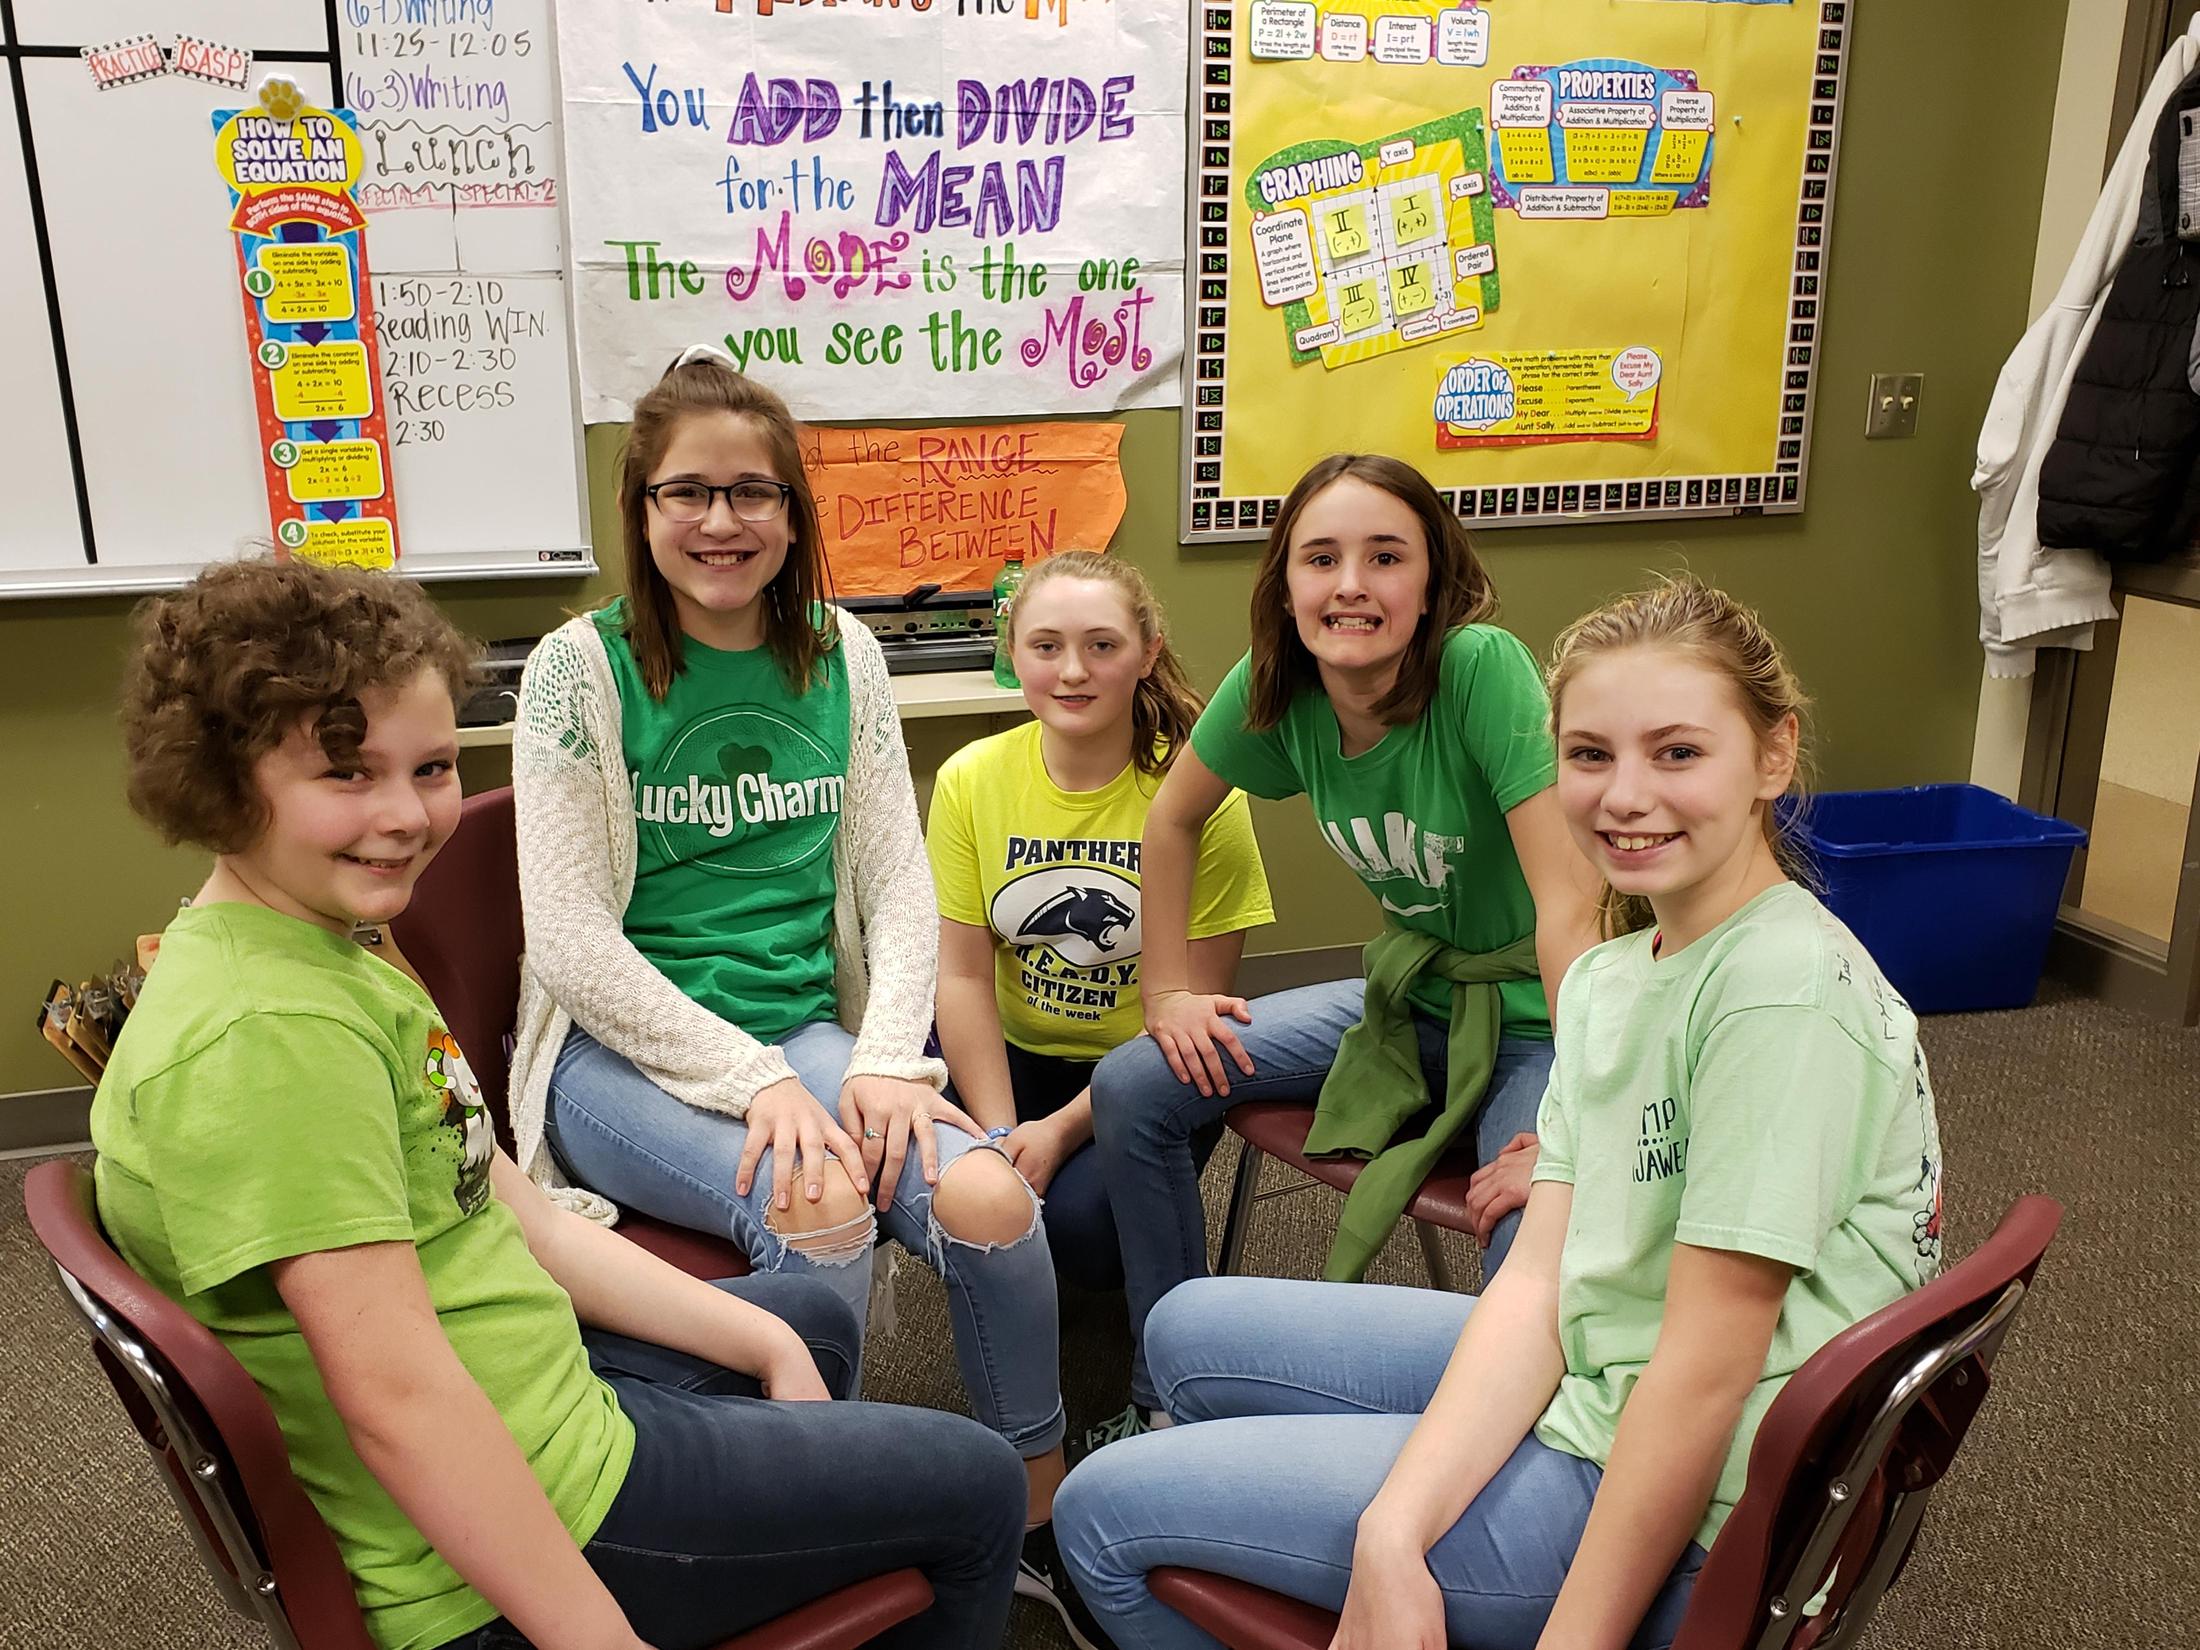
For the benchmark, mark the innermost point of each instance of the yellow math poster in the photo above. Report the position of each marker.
(1568, 257)
(1376, 246)
(1523, 398)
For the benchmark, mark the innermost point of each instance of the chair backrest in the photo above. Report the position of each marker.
(1850, 1451)
(207, 1424)
(463, 935)
(224, 1459)
(1839, 1473)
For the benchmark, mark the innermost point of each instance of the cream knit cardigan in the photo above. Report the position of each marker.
(576, 875)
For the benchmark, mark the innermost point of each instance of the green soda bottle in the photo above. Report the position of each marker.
(1004, 597)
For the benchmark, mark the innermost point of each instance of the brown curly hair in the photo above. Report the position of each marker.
(224, 668)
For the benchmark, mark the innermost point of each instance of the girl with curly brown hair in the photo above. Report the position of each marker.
(291, 1145)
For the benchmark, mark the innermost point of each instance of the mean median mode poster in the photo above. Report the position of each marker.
(939, 209)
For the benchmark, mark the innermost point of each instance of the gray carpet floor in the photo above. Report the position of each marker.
(2070, 1520)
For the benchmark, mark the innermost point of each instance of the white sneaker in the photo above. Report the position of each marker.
(1041, 1576)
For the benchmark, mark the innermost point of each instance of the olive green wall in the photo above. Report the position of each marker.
(1871, 589)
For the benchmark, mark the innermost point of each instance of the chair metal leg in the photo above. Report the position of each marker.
(1240, 1216)
(1432, 1253)
(1901, 1519)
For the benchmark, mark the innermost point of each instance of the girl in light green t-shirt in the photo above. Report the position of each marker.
(1738, 1160)
(518, 1426)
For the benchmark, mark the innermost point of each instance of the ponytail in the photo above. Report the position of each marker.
(1163, 709)
(1165, 705)
(1706, 624)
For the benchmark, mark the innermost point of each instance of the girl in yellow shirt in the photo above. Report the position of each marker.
(1034, 837)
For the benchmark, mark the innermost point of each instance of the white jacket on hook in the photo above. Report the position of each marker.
(2031, 597)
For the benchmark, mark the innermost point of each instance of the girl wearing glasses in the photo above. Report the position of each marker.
(731, 936)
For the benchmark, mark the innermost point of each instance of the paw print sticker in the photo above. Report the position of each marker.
(281, 98)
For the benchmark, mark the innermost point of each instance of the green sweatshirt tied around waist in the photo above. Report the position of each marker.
(1376, 1083)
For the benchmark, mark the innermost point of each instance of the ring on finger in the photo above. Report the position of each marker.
(870, 1134)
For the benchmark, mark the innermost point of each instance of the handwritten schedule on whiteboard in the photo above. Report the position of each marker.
(130, 449)
(466, 361)
(456, 101)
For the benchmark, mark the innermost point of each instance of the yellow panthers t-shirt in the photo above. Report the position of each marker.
(1054, 874)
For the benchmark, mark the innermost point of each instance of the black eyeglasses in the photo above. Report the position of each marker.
(688, 502)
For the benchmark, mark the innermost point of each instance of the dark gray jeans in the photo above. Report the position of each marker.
(738, 1509)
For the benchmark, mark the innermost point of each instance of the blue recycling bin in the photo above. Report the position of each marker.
(1952, 888)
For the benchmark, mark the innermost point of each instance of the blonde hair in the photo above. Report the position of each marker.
(1707, 625)
(796, 630)
(1165, 704)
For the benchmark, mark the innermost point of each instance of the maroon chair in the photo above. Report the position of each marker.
(1839, 1474)
(1278, 1128)
(462, 934)
(223, 1457)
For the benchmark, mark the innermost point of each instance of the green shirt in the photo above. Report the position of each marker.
(1761, 1090)
(277, 1092)
(1420, 818)
(738, 785)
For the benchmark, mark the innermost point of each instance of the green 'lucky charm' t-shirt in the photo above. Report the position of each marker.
(738, 786)
(279, 1092)
(1420, 818)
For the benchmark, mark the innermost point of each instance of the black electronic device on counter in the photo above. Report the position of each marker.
(495, 701)
(929, 628)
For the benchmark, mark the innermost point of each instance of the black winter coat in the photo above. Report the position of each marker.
(2122, 477)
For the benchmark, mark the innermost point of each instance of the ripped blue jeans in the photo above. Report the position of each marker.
(618, 1133)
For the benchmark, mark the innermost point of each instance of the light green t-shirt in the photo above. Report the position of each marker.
(1761, 1090)
(738, 787)
(277, 1092)
(1420, 818)
(1055, 875)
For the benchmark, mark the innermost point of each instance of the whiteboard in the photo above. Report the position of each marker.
(128, 444)
(36, 475)
(265, 25)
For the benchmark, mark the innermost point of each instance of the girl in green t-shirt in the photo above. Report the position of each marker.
(732, 942)
(1035, 842)
(1739, 1160)
(519, 1426)
(1419, 732)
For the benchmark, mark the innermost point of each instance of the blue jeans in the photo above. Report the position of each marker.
(736, 1509)
(1080, 1223)
(1144, 1119)
(1080, 1226)
(620, 1134)
(1296, 1399)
